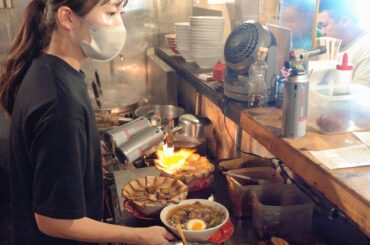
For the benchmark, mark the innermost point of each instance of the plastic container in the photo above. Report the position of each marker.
(219, 72)
(343, 77)
(333, 114)
(281, 210)
(241, 190)
(321, 72)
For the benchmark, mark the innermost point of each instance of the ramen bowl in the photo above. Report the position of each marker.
(150, 194)
(203, 218)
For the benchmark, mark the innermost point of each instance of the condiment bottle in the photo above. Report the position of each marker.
(343, 77)
(257, 85)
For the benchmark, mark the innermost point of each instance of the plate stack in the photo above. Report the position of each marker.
(182, 30)
(171, 42)
(206, 40)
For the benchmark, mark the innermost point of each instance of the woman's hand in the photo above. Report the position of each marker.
(154, 235)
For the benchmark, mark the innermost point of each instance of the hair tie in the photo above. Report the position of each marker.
(40, 3)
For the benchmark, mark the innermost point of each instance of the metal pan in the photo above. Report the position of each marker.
(188, 142)
(165, 112)
(196, 126)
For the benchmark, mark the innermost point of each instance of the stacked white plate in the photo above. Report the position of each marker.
(182, 30)
(206, 40)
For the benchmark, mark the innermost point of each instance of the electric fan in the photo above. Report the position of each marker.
(240, 52)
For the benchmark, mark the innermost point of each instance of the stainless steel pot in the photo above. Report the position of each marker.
(195, 126)
(165, 112)
(115, 113)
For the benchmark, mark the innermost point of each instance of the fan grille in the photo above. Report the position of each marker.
(241, 43)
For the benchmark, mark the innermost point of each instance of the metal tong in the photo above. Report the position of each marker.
(250, 181)
(96, 94)
(97, 79)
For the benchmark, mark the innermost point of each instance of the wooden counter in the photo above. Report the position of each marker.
(348, 189)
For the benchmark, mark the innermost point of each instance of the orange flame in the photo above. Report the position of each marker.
(168, 151)
(172, 163)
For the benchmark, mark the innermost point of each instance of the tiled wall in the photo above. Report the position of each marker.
(146, 22)
(9, 19)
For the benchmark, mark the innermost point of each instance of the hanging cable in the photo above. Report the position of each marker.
(224, 108)
(286, 175)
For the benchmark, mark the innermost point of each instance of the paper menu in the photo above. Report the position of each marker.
(346, 157)
(363, 136)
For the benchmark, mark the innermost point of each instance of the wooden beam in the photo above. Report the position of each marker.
(315, 20)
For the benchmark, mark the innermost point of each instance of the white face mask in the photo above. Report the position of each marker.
(106, 42)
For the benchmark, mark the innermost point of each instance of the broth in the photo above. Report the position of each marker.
(183, 214)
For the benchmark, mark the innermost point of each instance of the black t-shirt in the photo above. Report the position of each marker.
(55, 159)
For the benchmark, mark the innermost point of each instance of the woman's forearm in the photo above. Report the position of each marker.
(87, 230)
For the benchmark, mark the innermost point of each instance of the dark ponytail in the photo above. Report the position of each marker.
(36, 28)
(27, 45)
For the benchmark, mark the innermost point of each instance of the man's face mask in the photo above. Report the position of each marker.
(106, 42)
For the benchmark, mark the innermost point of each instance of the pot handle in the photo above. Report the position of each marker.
(176, 129)
(123, 120)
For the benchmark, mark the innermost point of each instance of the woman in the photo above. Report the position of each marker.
(56, 172)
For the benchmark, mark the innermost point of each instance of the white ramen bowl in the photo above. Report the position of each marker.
(201, 235)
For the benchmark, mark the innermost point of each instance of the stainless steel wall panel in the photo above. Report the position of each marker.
(187, 96)
(162, 81)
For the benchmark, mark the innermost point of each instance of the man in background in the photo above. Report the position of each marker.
(340, 20)
(298, 16)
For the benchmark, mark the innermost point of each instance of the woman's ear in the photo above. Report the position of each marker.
(65, 17)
